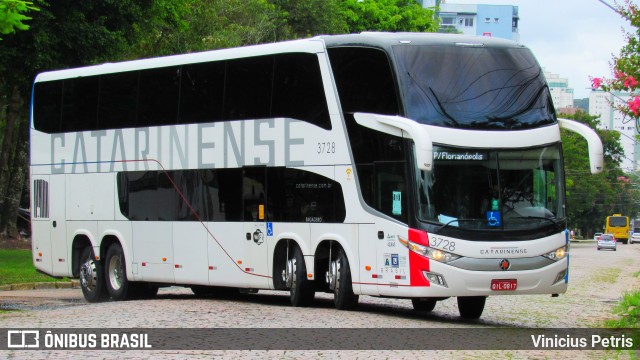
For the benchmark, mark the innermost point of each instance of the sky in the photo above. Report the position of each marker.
(573, 38)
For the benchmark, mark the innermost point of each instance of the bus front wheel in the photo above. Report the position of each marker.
(344, 298)
(426, 305)
(91, 276)
(471, 307)
(300, 288)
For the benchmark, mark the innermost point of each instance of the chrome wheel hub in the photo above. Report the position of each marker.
(87, 275)
(288, 273)
(332, 275)
(115, 273)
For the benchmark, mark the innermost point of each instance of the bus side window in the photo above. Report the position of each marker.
(202, 92)
(248, 88)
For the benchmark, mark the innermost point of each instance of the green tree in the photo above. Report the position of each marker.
(305, 18)
(388, 15)
(12, 15)
(177, 27)
(590, 198)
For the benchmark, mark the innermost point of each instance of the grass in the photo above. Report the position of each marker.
(628, 317)
(607, 275)
(628, 311)
(16, 267)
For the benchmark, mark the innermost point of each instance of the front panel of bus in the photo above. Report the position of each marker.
(494, 201)
(489, 216)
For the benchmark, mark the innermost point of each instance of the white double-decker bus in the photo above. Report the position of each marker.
(416, 166)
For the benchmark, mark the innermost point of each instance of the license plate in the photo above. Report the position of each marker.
(504, 284)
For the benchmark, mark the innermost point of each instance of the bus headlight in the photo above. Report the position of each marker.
(429, 252)
(557, 254)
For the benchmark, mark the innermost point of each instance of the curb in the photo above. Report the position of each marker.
(73, 284)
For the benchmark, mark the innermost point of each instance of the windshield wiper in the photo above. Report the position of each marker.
(442, 110)
(556, 223)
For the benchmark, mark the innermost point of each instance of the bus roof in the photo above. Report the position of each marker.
(311, 45)
(386, 40)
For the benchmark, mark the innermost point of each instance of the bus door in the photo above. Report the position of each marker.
(255, 262)
(41, 222)
(58, 226)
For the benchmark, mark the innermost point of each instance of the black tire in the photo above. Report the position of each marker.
(301, 291)
(115, 270)
(344, 298)
(471, 307)
(425, 304)
(91, 277)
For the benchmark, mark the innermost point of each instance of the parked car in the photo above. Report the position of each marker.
(607, 241)
(635, 237)
(596, 236)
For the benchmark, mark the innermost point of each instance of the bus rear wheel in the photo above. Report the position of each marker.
(295, 277)
(471, 307)
(116, 274)
(91, 276)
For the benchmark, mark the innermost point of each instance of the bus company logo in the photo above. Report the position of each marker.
(504, 264)
(23, 339)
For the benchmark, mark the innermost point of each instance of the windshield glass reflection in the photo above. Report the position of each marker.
(473, 87)
(493, 190)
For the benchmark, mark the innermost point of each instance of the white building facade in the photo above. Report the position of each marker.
(561, 93)
(600, 103)
(480, 20)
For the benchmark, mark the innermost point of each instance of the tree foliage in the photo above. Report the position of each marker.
(13, 15)
(305, 18)
(176, 27)
(626, 66)
(388, 15)
(590, 198)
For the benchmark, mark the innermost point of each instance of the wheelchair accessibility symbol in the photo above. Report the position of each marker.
(493, 218)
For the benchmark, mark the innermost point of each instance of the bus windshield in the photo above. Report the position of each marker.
(617, 221)
(473, 87)
(493, 189)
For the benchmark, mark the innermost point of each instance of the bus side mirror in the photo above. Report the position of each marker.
(596, 152)
(402, 127)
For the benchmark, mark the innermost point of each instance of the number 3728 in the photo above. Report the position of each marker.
(328, 147)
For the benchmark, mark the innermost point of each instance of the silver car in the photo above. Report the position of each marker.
(607, 241)
(635, 237)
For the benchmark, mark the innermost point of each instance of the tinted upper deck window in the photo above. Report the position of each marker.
(473, 87)
(364, 80)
